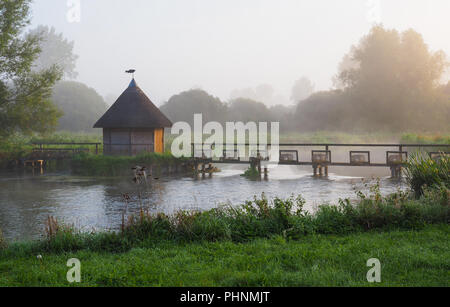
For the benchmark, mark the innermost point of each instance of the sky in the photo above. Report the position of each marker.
(223, 45)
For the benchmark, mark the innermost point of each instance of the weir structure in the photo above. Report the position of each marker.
(319, 156)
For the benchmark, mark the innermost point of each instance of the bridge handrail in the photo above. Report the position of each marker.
(49, 143)
(331, 145)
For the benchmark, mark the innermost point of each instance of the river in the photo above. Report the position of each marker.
(27, 199)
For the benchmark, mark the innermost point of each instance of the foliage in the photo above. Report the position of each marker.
(3, 243)
(183, 106)
(303, 88)
(55, 50)
(13, 148)
(25, 104)
(317, 260)
(99, 165)
(414, 138)
(82, 106)
(18, 146)
(422, 172)
(390, 81)
(251, 173)
(68, 137)
(261, 218)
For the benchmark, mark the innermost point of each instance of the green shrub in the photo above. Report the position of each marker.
(251, 173)
(413, 138)
(260, 218)
(424, 172)
(2, 240)
(99, 165)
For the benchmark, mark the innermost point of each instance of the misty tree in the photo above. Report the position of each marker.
(55, 50)
(183, 106)
(302, 89)
(347, 66)
(396, 78)
(81, 105)
(110, 98)
(390, 81)
(264, 93)
(246, 110)
(25, 104)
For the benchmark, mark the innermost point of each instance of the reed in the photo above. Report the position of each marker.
(258, 218)
(3, 243)
(99, 165)
(422, 172)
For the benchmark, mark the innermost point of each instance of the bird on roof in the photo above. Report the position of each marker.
(130, 71)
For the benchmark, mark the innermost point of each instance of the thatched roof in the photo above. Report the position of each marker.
(133, 109)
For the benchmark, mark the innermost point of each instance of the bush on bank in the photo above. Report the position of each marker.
(99, 165)
(259, 218)
(422, 172)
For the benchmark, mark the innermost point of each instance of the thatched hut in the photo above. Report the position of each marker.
(133, 124)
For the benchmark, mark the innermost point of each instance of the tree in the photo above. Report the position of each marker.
(246, 110)
(396, 78)
(25, 104)
(389, 81)
(55, 50)
(81, 105)
(264, 93)
(302, 89)
(183, 106)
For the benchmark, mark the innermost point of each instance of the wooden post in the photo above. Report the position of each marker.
(266, 173)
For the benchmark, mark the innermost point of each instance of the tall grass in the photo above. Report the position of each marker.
(414, 138)
(68, 137)
(422, 172)
(2, 240)
(261, 218)
(13, 148)
(18, 146)
(99, 165)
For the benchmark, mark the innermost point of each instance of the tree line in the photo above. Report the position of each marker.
(389, 81)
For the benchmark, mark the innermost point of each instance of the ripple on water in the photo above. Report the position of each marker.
(96, 203)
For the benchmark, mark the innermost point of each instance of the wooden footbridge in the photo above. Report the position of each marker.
(42, 153)
(319, 156)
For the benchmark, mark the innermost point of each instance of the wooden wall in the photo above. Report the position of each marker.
(125, 141)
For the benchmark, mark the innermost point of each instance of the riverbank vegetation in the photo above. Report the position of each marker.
(258, 244)
(110, 166)
(408, 258)
(423, 172)
(19, 146)
(328, 247)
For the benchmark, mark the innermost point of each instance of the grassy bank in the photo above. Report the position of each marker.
(260, 243)
(260, 218)
(99, 165)
(412, 138)
(408, 258)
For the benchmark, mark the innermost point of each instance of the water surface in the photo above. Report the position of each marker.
(27, 199)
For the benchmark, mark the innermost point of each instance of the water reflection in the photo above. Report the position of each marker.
(96, 203)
